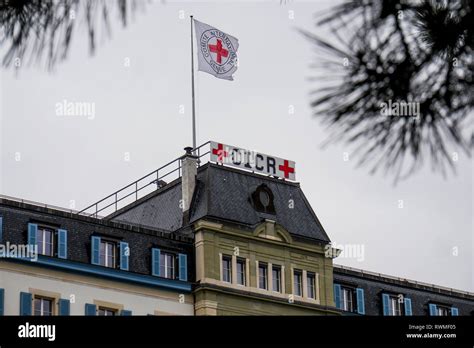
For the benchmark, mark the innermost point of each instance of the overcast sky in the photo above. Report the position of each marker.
(55, 159)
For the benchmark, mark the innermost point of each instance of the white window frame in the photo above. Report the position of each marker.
(42, 299)
(279, 268)
(243, 262)
(442, 311)
(263, 266)
(167, 259)
(226, 258)
(394, 306)
(300, 287)
(347, 299)
(43, 230)
(311, 284)
(106, 253)
(105, 310)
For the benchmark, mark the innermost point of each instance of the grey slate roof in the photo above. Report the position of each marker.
(223, 193)
(420, 294)
(159, 209)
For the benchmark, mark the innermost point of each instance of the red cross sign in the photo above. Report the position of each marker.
(219, 152)
(252, 160)
(286, 169)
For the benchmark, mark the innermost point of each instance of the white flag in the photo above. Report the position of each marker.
(217, 51)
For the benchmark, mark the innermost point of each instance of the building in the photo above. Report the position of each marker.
(259, 247)
(359, 292)
(87, 266)
(214, 240)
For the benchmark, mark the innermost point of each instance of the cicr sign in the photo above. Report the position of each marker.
(252, 160)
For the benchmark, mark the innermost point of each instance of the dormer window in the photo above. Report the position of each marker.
(48, 240)
(396, 305)
(442, 310)
(169, 265)
(110, 253)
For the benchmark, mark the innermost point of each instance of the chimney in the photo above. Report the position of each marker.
(188, 178)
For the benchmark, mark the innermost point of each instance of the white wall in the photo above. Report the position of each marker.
(140, 300)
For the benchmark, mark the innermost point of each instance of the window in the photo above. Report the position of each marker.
(298, 283)
(106, 312)
(262, 200)
(276, 278)
(227, 268)
(45, 241)
(395, 306)
(348, 299)
(443, 311)
(241, 271)
(262, 275)
(48, 240)
(42, 306)
(167, 265)
(311, 284)
(108, 253)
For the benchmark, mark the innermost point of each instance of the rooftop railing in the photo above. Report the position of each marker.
(38, 204)
(143, 186)
(414, 282)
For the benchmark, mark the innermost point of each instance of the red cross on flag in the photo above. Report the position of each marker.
(217, 51)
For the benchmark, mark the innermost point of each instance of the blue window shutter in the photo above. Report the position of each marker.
(124, 254)
(337, 295)
(407, 302)
(2, 301)
(454, 311)
(64, 306)
(26, 304)
(95, 250)
(360, 301)
(183, 267)
(91, 309)
(155, 262)
(433, 309)
(1, 228)
(32, 230)
(385, 304)
(62, 244)
(125, 312)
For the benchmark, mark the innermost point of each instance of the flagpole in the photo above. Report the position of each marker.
(192, 85)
